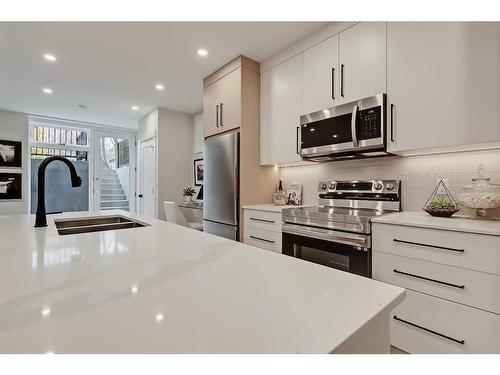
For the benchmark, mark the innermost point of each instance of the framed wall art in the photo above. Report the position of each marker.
(11, 154)
(10, 186)
(198, 172)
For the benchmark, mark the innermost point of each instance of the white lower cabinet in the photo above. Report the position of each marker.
(452, 303)
(262, 229)
(424, 324)
(263, 239)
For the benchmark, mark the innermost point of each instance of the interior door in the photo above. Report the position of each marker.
(147, 178)
(320, 76)
(114, 171)
(362, 51)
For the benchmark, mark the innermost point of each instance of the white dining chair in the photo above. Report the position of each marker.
(175, 216)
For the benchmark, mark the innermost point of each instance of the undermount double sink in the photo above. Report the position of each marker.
(95, 224)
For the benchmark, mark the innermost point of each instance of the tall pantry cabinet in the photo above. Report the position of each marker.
(231, 102)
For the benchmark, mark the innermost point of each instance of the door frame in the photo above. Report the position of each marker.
(132, 159)
(138, 203)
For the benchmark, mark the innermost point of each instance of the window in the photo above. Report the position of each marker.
(49, 140)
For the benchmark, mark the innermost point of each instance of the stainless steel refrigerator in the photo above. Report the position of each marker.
(221, 159)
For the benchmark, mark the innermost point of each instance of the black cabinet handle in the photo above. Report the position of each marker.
(429, 279)
(297, 140)
(261, 239)
(221, 115)
(342, 80)
(395, 317)
(333, 83)
(262, 220)
(140, 196)
(392, 122)
(217, 115)
(427, 245)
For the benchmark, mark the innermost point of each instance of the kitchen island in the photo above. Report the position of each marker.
(163, 288)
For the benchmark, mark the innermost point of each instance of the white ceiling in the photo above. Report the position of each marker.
(111, 66)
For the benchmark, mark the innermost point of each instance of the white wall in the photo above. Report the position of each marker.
(175, 156)
(14, 127)
(198, 136)
(419, 174)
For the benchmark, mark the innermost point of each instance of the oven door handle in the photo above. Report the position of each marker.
(353, 239)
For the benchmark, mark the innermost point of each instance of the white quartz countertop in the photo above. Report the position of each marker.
(269, 207)
(170, 289)
(458, 224)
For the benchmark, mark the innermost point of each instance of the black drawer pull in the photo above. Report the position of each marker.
(429, 279)
(462, 342)
(261, 239)
(262, 220)
(427, 245)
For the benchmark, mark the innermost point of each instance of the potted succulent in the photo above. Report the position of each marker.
(441, 207)
(188, 193)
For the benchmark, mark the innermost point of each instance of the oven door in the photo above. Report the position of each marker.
(350, 252)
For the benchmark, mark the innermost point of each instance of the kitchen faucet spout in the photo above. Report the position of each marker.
(41, 215)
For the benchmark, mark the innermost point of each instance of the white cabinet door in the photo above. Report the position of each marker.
(320, 76)
(363, 60)
(443, 84)
(280, 106)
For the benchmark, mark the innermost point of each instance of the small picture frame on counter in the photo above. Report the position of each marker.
(11, 186)
(294, 194)
(11, 154)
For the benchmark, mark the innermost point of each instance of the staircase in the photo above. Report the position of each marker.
(112, 195)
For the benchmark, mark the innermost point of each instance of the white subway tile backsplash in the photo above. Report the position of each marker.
(419, 174)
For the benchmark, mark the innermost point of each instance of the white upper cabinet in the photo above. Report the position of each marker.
(443, 84)
(280, 108)
(320, 76)
(362, 52)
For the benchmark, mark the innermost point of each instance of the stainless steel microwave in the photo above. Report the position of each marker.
(351, 130)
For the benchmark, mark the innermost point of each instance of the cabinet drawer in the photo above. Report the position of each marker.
(467, 250)
(471, 288)
(478, 329)
(263, 238)
(263, 220)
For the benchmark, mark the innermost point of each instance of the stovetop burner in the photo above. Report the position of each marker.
(348, 205)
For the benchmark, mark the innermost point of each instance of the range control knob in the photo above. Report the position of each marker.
(323, 186)
(332, 186)
(378, 186)
(389, 186)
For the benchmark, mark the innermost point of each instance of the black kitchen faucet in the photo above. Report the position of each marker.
(41, 216)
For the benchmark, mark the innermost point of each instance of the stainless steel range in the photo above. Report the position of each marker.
(337, 232)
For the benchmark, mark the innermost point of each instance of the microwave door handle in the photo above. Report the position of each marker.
(353, 126)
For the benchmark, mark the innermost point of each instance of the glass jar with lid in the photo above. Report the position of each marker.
(481, 195)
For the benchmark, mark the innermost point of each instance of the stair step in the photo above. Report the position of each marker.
(121, 203)
(110, 181)
(113, 197)
(105, 191)
(125, 208)
(110, 186)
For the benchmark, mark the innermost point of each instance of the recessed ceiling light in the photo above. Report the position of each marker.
(45, 311)
(49, 57)
(159, 317)
(135, 108)
(202, 52)
(47, 90)
(160, 87)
